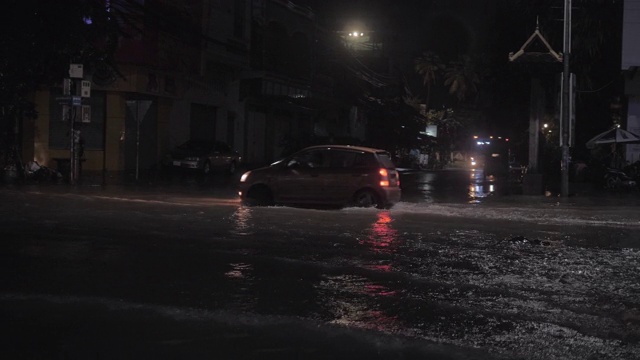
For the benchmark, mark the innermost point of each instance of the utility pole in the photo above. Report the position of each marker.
(74, 91)
(75, 75)
(566, 100)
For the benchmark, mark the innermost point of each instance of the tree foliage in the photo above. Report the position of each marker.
(429, 66)
(461, 78)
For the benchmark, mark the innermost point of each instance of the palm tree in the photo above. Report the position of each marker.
(428, 65)
(461, 78)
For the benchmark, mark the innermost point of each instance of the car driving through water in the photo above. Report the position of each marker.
(326, 174)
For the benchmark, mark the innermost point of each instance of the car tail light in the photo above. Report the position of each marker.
(384, 177)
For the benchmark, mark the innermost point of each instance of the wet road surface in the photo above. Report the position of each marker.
(93, 274)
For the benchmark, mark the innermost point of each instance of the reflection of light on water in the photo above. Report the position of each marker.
(380, 267)
(425, 183)
(242, 220)
(354, 301)
(381, 234)
(378, 290)
(478, 191)
(372, 320)
(239, 271)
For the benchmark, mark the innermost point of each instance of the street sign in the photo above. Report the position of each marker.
(66, 109)
(76, 71)
(76, 100)
(63, 100)
(139, 108)
(66, 87)
(85, 90)
(86, 113)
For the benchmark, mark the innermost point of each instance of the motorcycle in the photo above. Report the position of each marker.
(615, 179)
(38, 173)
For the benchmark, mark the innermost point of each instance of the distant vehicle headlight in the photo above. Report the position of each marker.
(245, 176)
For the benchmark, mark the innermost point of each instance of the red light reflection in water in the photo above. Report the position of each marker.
(378, 320)
(359, 311)
(378, 290)
(360, 301)
(380, 267)
(382, 235)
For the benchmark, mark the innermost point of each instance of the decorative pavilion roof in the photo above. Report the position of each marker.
(544, 53)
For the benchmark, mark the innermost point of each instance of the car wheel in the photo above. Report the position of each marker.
(232, 168)
(206, 169)
(611, 182)
(367, 199)
(259, 196)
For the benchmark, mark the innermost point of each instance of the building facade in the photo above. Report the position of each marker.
(248, 73)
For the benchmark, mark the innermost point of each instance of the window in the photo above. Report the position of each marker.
(365, 160)
(342, 159)
(312, 159)
(92, 133)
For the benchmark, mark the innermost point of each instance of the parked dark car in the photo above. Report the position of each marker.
(204, 156)
(325, 174)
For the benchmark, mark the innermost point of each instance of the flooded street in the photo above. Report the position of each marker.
(458, 185)
(450, 278)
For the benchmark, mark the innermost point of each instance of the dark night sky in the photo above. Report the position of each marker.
(416, 25)
(449, 28)
(491, 28)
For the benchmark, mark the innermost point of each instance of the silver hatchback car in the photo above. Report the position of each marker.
(325, 174)
(204, 156)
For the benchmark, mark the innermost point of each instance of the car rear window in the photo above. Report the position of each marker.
(385, 160)
(365, 160)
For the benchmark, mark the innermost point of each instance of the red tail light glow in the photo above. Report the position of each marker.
(384, 177)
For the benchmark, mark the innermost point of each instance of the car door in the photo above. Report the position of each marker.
(340, 181)
(300, 180)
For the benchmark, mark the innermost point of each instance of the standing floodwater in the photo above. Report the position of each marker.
(141, 275)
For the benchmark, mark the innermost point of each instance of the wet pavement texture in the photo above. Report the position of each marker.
(185, 271)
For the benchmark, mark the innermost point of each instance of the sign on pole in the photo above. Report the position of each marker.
(66, 87)
(86, 113)
(66, 112)
(85, 90)
(76, 71)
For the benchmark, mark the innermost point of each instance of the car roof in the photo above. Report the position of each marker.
(204, 141)
(346, 147)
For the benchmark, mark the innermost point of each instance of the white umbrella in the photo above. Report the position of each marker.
(614, 136)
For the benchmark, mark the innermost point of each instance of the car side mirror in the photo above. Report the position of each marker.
(293, 163)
